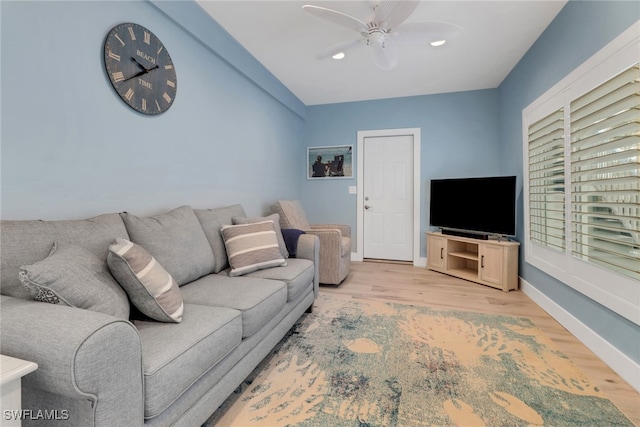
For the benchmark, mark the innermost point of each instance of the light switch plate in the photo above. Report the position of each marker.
(353, 189)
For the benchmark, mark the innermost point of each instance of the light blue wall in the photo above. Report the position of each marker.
(71, 148)
(578, 32)
(460, 137)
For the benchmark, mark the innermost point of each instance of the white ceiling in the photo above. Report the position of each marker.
(286, 40)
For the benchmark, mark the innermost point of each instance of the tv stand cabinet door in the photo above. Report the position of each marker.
(499, 265)
(492, 264)
(436, 252)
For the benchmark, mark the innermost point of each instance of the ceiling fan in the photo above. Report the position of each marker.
(381, 32)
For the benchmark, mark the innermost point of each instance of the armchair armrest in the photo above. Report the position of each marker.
(345, 229)
(309, 248)
(81, 355)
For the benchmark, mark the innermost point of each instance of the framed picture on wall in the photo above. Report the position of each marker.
(330, 162)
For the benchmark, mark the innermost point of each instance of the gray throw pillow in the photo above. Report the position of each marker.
(73, 276)
(176, 240)
(150, 288)
(252, 247)
(276, 223)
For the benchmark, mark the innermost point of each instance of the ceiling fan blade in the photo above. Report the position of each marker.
(391, 13)
(338, 18)
(384, 55)
(340, 47)
(426, 32)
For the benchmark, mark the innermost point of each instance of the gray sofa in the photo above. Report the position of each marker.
(102, 368)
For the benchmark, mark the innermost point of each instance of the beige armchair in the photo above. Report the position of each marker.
(335, 241)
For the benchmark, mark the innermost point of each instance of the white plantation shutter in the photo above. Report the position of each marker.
(546, 181)
(605, 174)
(581, 161)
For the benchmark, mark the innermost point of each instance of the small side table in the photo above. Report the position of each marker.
(11, 372)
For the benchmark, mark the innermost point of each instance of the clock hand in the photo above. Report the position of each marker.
(145, 71)
(138, 64)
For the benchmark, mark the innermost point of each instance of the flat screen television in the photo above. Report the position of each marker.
(476, 207)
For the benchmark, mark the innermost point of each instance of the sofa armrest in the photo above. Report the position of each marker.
(345, 229)
(81, 355)
(309, 248)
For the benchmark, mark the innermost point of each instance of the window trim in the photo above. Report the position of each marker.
(615, 291)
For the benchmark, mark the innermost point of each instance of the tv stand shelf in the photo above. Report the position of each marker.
(467, 255)
(488, 262)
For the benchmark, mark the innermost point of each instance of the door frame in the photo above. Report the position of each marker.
(362, 135)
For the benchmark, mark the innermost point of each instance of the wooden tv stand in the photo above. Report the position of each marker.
(488, 262)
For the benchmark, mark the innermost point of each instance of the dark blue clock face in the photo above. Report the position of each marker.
(140, 68)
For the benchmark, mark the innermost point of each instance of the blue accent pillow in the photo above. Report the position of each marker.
(290, 236)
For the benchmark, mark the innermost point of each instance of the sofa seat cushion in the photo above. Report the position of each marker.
(175, 355)
(345, 246)
(298, 274)
(259, 300)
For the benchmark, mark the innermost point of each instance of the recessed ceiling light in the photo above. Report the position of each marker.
(438, 43)
(338, 55)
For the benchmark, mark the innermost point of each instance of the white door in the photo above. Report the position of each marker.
(388, 197)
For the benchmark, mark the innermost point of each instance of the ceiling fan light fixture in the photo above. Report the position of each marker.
(377, 38)
(339, 55)
(438, 43)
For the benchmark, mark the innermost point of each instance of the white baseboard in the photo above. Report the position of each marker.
(618, 361)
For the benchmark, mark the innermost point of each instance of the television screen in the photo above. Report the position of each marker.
(480, 205)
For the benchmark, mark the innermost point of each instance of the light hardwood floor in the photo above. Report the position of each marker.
(401, 283)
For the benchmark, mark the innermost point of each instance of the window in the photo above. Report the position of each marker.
(582, 178)
(605, 178)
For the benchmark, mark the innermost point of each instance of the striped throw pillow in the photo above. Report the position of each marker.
(252, 247)
(149, 286)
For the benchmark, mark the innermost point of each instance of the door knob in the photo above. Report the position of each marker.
(367, 206)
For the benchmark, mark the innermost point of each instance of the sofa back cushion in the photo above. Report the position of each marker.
(176, 240)
(212, 220)
(29, 241)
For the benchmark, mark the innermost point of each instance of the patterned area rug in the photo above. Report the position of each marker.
(367, 363)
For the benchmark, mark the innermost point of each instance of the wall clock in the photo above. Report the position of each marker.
(140, 68)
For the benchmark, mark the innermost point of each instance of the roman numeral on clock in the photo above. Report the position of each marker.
(129, 94)
(118, 76)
